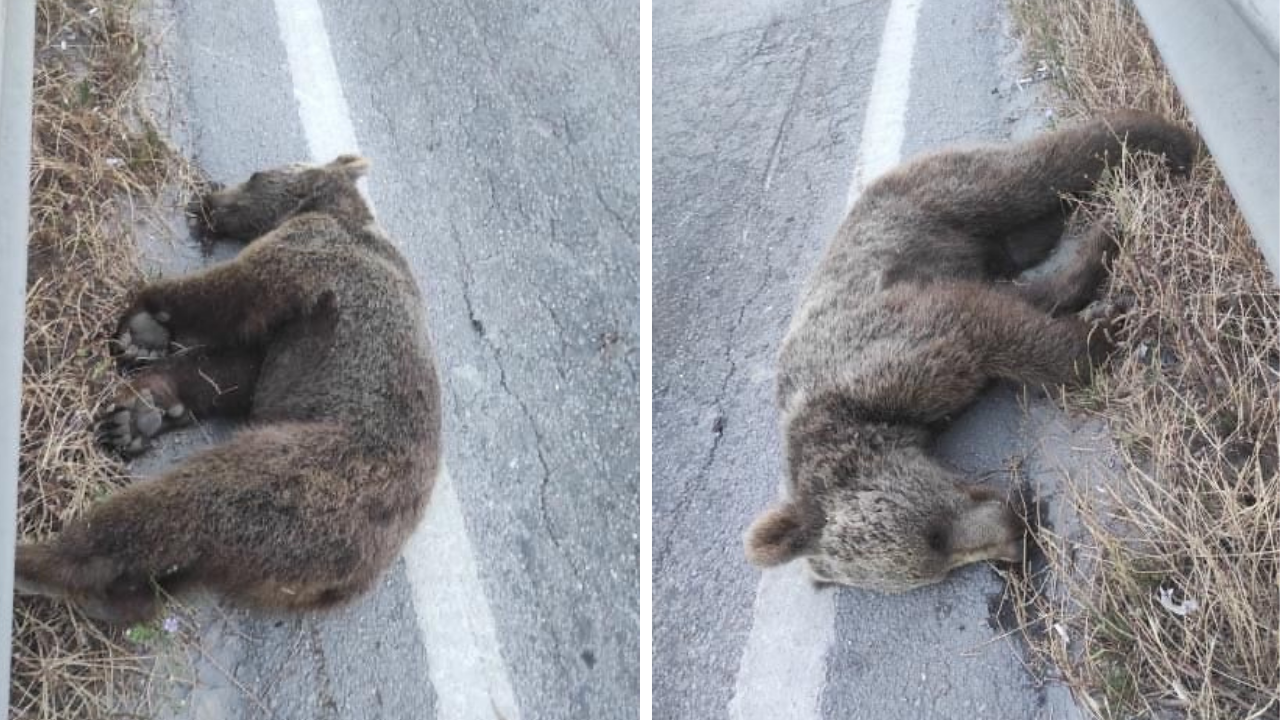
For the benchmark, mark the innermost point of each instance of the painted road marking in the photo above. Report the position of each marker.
(326, 121)
(466, 665)
(885, 125)
(463, 654)
(784, 664)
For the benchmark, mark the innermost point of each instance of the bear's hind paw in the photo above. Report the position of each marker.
(131, 424)
(144, 337)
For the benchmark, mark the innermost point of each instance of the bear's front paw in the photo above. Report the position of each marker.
(144, 336)
(131, 423)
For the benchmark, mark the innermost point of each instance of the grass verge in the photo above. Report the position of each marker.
(1167, 605)
(98, 168)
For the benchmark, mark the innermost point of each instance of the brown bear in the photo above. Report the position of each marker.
(315, 334)
(918, 303)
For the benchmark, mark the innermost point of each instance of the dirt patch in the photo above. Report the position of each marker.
(99, 170)
(1165, 601)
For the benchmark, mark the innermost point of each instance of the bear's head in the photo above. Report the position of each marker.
(869, 508)
(269, 197)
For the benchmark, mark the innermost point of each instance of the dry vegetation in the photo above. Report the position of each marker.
(1193, 401)
(97, 167)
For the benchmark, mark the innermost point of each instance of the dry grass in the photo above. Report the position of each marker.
(97, 168)
(1194, 404)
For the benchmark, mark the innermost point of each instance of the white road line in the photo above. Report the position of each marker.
(884, 127)
(463, 653)
(462, 647)
(784, 664)
(322, 107)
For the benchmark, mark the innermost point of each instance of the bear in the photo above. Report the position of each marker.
(315, 336)
(919, 302)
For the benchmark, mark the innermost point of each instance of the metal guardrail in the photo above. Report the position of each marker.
(1224, 56)
(1263, 18)
(17, 47)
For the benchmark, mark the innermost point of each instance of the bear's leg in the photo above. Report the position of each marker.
(1022, 343)
(275, 517)
(107, 560)
(1069, 288)
(236, 303)
(170, 393)
(976, 331)
(993, 191)
(955, 337)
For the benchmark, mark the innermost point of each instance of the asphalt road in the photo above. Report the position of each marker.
(758, 111)
(504, 139)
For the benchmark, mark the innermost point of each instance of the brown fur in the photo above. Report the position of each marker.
(916, 306)
(313, 334)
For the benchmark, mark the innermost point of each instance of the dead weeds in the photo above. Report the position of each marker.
(98, 166)
(1168, 604)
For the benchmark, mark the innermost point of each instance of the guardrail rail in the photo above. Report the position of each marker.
(1224, 56)
(17, 48)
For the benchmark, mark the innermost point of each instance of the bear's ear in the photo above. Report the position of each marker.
(354, 166)
(778, 536)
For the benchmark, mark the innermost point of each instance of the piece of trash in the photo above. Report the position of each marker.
(114, 162)
(1062, 633)
(170, 625)
(1181, 609)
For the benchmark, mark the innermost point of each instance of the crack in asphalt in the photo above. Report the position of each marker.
(395, 60)
(806, 19)
(718, 401)
(561, 130)
(492, 184)
(328, 705)
(561, 656)
(776, 148)
(624, 223)
(561, 335)
(597, 29)
(492, 65)
(541, 220)
(466, 279)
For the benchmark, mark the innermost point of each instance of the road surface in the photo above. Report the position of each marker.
(504, 139)
(764, 113)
